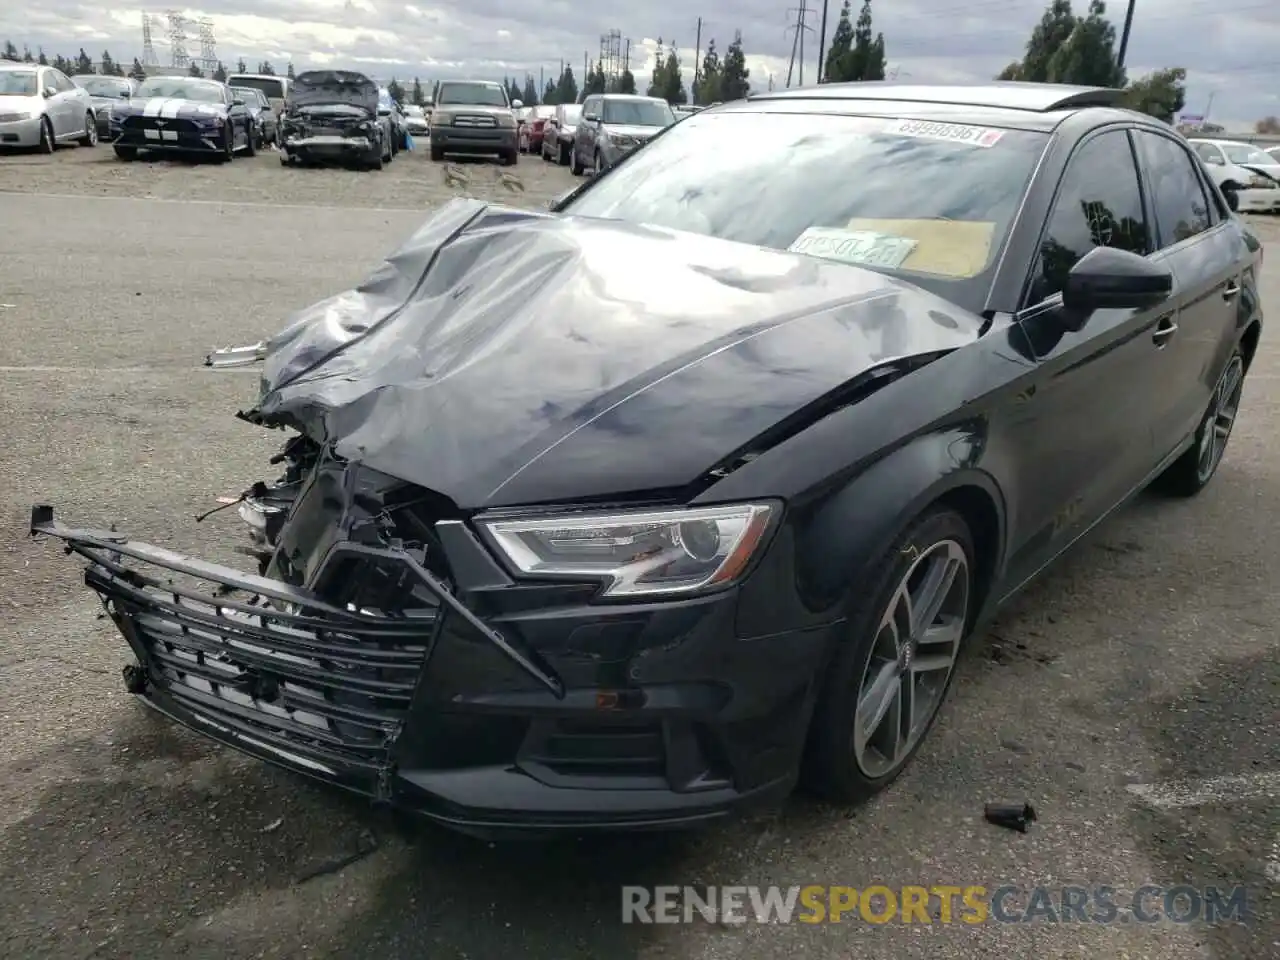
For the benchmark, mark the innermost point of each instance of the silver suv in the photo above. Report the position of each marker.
(614, 124)
(474, 117)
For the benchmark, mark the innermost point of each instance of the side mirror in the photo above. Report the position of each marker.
(517, 104)
(47, 92)
(1107, 278)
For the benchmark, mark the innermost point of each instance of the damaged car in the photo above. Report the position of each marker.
(333, 115)
(555, 548)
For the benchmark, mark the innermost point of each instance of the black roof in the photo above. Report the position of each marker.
(1032, 97)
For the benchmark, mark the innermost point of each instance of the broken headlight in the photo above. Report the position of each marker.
(638, 554)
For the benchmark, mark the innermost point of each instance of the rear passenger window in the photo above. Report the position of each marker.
(1178, 197)
(1099, 204)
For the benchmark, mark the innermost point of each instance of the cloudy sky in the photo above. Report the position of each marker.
(1231, 48)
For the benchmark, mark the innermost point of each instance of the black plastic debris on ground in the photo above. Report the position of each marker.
(1011, 816)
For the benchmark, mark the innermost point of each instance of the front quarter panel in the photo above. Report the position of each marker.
(853, 481)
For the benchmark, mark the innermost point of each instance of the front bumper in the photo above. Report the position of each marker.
(1257, 200)
(177, 135)
(20, 133)
(545, 713)
(474, 140)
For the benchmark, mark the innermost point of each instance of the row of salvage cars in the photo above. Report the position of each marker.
(616, 555)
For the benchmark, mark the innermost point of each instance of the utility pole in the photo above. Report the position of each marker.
(822, 45)
(697, 61)
(797, 42)
(1124, 36)
(801, 32)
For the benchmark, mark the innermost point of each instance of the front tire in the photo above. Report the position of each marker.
(897, 655)
(437, 154)
(127, 154)
(90, 137)
(1192, 471)
(251, 142)
(228, 145)
(46, 136)
(510, 158)
(575, 165)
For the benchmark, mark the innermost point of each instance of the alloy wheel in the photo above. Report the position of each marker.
(1216, 429)
(91, 131)
(911, 658)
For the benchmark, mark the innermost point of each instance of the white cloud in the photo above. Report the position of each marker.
(1227, 46)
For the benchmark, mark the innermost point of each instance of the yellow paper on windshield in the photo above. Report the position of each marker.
(945, 248)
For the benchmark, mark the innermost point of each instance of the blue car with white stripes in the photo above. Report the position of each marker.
(182, 115)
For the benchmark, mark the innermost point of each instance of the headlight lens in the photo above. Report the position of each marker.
(1265, 183)
(639, 554)
(507, 120)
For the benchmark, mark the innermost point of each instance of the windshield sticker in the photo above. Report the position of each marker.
(861, 247)
(951, 132)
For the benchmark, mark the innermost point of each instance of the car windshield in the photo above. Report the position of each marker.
(472, 94)
(930, 202)
(180, 88)
(638, 113)
(572, 113)
(1243, 153)
(270, 86)
(102, 86)
(17, 83)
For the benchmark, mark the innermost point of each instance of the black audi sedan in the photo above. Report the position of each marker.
(559, 548)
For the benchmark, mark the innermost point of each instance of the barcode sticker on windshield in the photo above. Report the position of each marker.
(951, 132)
(860, 247)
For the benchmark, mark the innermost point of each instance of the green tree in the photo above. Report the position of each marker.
(1012, 72)
(41, 58)
(395, 91)
(194, 70)
(530, 92)
(868, 52)
(735, 78)
(659, 71)
(10, 52)
(220, 73)
(706, 88)
(673, 79)
(513, 91)
(1048, 37)
(839, 65)
(138, 71)
(26, 55)
(62, 63)
(265, 68)
(1161, 94)
(83, 64)
(550, 95)
(417, 96)
(1088, 57)
(109, 68)
(567, 88)
(241, 66)
(289, 70)
(595, 82)
(627, 81)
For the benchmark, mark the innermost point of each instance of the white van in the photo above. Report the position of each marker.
(274, 88)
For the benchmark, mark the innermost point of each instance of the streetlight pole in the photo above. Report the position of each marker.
(1124, 35)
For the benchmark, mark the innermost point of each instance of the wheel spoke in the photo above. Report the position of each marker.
(945, 630)
(905, 715)
(932, 593)
(875, 703)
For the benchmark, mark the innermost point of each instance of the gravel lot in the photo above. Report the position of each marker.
(1149, 655)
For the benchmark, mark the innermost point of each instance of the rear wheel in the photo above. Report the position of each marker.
(895, 662)
(1192, 471)
(90, 136)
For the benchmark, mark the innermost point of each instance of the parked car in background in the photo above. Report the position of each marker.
(415, 120)
(811, 387)
(275, 88)
(182, 115)
(534, 127)
(1243, 170)
(1274, 151)
(335, 115)
(474, 117)
(390, 109)
(104, 92)
(559, 132)
(41, 107)
(614, 124)
(266, 125)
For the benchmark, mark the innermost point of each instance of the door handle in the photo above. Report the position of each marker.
(1231, 290)
(1165, 329)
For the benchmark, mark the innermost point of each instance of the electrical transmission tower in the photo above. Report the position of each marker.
(149, 58)
(178, 40)
(208, 46)
(611, 56)
(801, 26)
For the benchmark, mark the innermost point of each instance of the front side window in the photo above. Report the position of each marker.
(1178, 197)
(1099, 204)
(932, 202)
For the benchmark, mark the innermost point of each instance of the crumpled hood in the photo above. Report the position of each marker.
(504, 357)
(333, 86)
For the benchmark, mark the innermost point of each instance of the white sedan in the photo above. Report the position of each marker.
(41, 107)
(1241, 168)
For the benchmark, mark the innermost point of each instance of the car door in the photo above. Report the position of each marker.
(70, 113)
(1082, 434)
(1206, 253)
(585, 141)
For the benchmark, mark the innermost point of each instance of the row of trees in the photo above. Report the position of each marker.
(854, 54)
(1066, 48)
(108, 66)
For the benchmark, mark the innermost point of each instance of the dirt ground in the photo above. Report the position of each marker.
(1131, 696)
